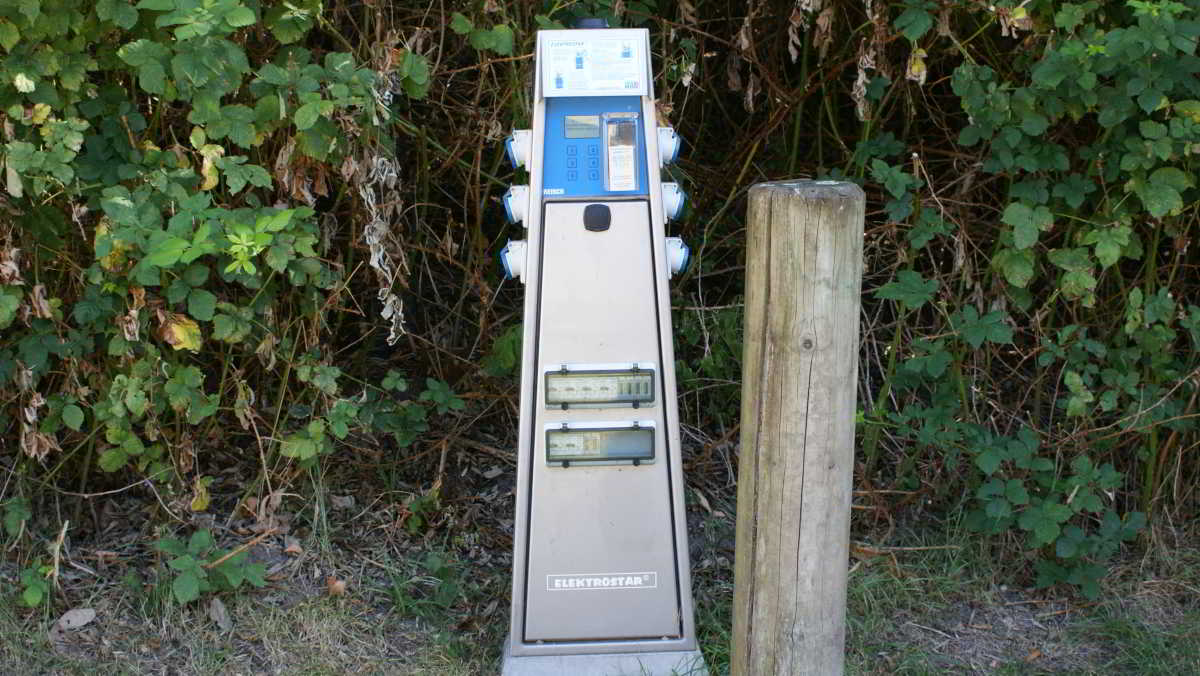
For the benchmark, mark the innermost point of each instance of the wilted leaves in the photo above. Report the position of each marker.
(180, 332)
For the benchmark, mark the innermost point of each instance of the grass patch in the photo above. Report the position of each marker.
(432, 603)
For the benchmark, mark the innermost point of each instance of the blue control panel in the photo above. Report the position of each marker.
(576, 149)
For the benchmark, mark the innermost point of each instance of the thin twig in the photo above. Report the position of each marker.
(241, 548)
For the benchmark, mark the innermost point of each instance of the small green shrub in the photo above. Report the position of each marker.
(199, 567)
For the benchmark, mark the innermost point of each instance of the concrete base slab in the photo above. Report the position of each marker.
(676, 663)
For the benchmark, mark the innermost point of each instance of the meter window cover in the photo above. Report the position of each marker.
(581, 126)
(620, 143)
(632, 444)
(599, 388)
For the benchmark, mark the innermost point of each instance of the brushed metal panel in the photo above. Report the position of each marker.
(598, 297)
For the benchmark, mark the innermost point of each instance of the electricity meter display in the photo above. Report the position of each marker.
(615, 443)
(620, 143)
(597, 389)
(581, 126)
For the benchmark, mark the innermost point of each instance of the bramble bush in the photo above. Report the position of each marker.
(164, 269)
(1090, 140)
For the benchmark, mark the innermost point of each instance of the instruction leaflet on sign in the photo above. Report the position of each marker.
(594, 67)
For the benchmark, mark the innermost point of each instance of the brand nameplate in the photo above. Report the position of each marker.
(602, 581)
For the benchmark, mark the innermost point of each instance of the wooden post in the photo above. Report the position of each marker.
(799, 379)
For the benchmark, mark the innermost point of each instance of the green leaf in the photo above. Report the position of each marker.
(1045, 531)
(256, 574)
(1081, 395)
(1074, 189)
(998, 508)
(989, 461)
(196, 274)
(893, 179)
(307, 115)
(272, 74)
(1034, 124)
(460, 24)
(1017, 266)
(545, 23)
(32, 595)
(482, 39)
(416, 68)
(171, 546)
(167, 252)
(240, 16)
(201, 304)
(119, 12)
(1051, 71)
(909, 288)
(1071, 15)
(200, 542)
(178, 291)
(10, 302)
(72, 416)
(1075, 259)
(291, 21)
(1108, 243)
(156, 5)
(238, 176)
(186, 587)
(9, 35)
(975, 329)
(914, 21)
(298, 446)
(1027, 222)
(1016, 493)
(1160, 193)
(112, 459)
(16, 513)
(502, 40)
(394, 380)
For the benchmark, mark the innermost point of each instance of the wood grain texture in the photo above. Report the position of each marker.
(799, 371)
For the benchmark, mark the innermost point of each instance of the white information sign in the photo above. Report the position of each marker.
(594, 63)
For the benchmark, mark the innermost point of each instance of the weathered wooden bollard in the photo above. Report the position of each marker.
(800, 367)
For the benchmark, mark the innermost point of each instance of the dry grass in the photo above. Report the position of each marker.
(271, 632)
(933, 611)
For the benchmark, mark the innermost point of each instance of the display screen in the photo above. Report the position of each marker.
(632, 445)
(598, 388)
(582, 126)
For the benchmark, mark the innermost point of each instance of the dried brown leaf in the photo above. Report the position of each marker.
(76, 618)
(41, 306)
(335, 586)
(219, 614)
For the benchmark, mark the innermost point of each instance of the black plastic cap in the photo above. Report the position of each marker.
(597, 217)
(591, 22)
